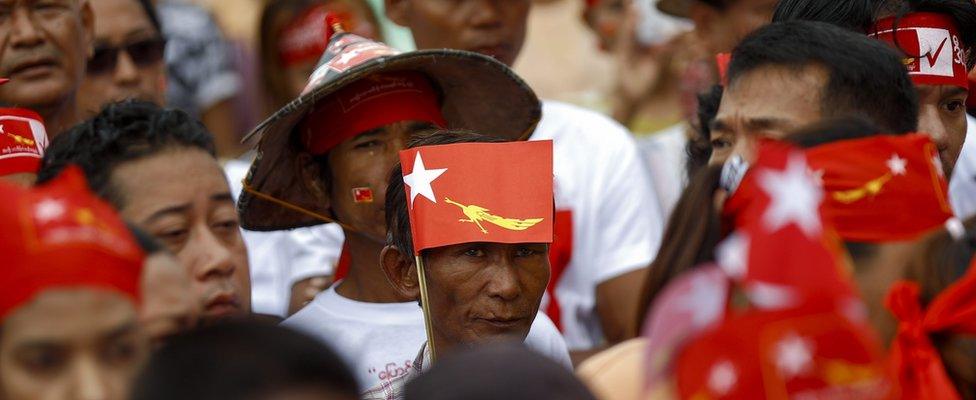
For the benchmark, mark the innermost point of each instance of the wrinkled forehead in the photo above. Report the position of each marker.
(70, 316)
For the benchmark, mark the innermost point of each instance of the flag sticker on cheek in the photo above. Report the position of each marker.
(362, 195)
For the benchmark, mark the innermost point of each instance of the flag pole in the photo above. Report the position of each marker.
(425, 305)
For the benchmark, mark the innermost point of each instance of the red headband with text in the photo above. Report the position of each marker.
(930, 42)
(60, 235)
(22, 141)
(369, 103)
(882, 188)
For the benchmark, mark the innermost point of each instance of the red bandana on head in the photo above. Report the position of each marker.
(22, 141)
(882, 188)
(479, 192)
(60, 235)
(930, 42)
(918, 364)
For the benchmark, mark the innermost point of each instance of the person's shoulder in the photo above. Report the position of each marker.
(616, 373)
(584, 125)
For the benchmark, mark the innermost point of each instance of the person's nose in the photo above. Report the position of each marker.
(24, 32)
(504, 282)
(487, 13)
(930, 123)
(212, 258)
(88, 381)
(126, 72)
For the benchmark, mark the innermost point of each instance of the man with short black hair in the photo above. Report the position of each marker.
(44, 52)
(787, 75)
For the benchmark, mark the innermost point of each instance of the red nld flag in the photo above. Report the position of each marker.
(479, 192)
(882, 188)
(782, 250)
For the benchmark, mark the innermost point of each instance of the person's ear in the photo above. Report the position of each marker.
(88, 26)
(311, 175)
(401, 272)
(397, 11)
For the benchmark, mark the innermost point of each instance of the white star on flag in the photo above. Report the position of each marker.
(794, 356)
(794, 197)
(420, 178)
(48, 210)
(897, 165)
(722, 378)
(733, 255)
(704, 301)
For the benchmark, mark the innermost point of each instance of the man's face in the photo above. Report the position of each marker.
(605, 19)
(482, 292)
(168, 305)
(942, 115)
(181, 197)
(365, 162)
(723, 29)
(767, 102)
(71, 344)
(492, 27)
(139, 71)
(43, 47)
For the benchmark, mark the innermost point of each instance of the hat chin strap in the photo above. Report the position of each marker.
(263, 196)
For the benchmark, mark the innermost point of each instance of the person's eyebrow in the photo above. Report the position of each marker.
(177, 209)
(954, 91)
(369, 133)
(766, 123)
(119, 331)
(718, 125)
(222, 197)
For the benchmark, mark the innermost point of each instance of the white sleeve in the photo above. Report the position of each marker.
(545, 339)
(630, 216)
(315, 251)
(962, 186)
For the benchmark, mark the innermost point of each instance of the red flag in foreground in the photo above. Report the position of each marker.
(882, 188)
(479, 192)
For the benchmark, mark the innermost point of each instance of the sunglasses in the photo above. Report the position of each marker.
(143, 53)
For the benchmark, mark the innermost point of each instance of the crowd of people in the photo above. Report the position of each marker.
(770, 199)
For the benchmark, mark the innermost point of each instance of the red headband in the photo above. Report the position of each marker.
(930, 41)
(60, 235)
(882, 188)
(22, 141)
(920, 369)
(371, 102)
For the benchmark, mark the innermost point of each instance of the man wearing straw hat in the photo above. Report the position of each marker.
(470, 243)
(327, 157)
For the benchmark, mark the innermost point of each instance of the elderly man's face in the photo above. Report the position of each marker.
(485, 291)
(494, 28)
(43, 47)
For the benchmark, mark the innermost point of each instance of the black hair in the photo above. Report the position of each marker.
(152, 14)
(121, 132)
(516, 373)
(397, 217)
(146, 242)
(242, 360)
(866, 76)
(699, 147)
(854, 15)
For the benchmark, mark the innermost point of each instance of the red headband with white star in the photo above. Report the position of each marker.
(882, 188)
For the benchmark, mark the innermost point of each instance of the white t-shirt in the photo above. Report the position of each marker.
(665, 155)
(380, 340)
(962, 186)
(616, 219)
(279, 259)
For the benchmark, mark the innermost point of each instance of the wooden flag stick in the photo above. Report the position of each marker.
(425, 305)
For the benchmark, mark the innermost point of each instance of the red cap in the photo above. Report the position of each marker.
(882, 188)
(22, 141)
(369, 103)
(60, 235)
(801, 353)
(930, 42)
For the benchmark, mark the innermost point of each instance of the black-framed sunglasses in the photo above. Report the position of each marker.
(143, 53)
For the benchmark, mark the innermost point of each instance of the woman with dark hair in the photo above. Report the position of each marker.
(128, 59)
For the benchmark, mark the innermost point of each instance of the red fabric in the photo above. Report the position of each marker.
(342, 267)
(722, 61)
(882, 188)
(764, 242)
(971, 101)
(805, 352)
(479, 192)
(369, 103)
(22, 141)
(930, 41)
(920, 369)
(61, 235)
(560, 255)
(307, 36)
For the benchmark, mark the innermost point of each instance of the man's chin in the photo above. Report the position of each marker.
(35, 93)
